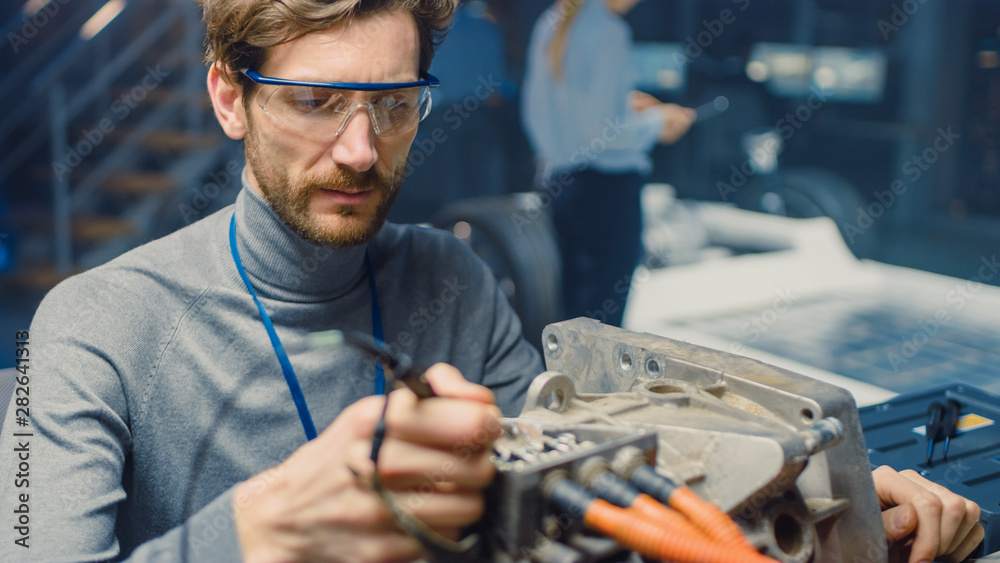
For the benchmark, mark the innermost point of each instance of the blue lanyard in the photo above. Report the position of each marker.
(279, 350)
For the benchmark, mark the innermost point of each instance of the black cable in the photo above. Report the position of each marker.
(647, 480)
(441, 548)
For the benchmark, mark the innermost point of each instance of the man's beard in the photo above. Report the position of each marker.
(291, 203)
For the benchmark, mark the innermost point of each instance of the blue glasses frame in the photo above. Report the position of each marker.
(428, 80)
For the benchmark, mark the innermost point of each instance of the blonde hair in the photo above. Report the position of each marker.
(566, 11)
(239, 32)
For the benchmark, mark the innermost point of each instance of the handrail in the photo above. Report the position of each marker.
(72, 52)
(77, 49)
(97, 86)
(21, 72)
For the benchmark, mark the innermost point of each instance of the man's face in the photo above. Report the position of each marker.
(335, 193)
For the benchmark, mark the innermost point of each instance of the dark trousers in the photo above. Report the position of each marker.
(598, 223)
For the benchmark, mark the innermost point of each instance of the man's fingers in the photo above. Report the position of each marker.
(452, 510)
(447, 381)
(972, 540)
(436, 422)
(899, 522)
(449, 510)
(949, 506)
(404, 465)
(958, 515)
(368, 545)
(972, 512)
(896, 490)
(360, 508)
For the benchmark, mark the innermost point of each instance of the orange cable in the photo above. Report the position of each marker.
(708, 518)
(656, 513)
(636, 533)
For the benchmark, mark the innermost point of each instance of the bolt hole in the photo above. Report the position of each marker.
(808, 415)
(557, 400)
(788, 534)
(552, 342)
(626, 362)
(653, 367)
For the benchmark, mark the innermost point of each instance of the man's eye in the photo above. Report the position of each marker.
(313, 103)
(310, 99)
(394, 102)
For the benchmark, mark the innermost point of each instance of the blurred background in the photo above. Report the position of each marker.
(886, 114)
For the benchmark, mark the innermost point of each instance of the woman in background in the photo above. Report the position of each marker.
(592, 135)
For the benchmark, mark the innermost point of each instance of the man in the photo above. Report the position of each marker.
(159, 422)
(157, 393)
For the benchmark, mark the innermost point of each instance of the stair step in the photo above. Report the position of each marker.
(139, 183)
(84, 228)
(96, 228)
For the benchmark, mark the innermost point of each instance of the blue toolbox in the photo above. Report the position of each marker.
(968, 420)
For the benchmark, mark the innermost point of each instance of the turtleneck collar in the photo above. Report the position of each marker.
(281, 265)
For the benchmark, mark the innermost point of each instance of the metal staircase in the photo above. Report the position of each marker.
(106, 124)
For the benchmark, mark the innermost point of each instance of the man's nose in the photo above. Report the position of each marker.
(354, 146)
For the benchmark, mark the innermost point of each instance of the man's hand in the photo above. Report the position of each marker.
(678, 121)
(923, 520)
(435, 458)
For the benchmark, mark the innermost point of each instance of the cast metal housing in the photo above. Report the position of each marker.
(783, 454)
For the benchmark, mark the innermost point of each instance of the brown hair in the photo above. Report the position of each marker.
(566, 11)
(239, 32)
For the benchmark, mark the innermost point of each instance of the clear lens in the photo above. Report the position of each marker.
(324, 112)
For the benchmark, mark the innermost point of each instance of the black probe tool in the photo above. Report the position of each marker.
(406, 371)
(935, 419)
(952, 409)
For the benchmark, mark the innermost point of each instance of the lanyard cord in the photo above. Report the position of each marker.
(443, 548)
(376, 323)
(279, 350)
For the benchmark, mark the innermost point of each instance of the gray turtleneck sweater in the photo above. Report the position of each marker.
(154, 388)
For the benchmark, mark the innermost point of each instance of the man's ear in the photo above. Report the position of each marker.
(227, 99)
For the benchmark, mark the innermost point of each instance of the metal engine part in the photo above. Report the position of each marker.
(783, 454)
